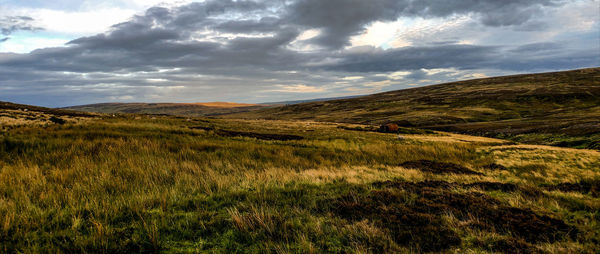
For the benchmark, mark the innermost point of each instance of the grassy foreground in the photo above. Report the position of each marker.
(164, 184)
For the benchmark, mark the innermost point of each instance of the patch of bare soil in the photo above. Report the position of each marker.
(494, 166)
(263, 136)
(438, 167)
(412, 212)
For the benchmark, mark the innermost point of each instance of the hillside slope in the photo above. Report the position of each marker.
(7, 106)
(15, 116)
(559, 108)
(180, 109)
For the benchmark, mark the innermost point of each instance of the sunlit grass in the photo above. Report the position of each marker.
(124, 185)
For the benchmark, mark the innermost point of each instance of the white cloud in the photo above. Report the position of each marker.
(150, 3)
(80, 23)
(398, 74)
(353, 78)
(378, 34)
(156, 80)
(299, 88)
(379, 84)
(83, 19)
(301, 43)
(410, 31)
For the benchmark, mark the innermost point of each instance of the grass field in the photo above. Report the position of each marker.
(180, 109)
(133, 183)
(558, 108)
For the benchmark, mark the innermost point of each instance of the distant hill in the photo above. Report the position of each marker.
(14, 115)
(50, 111)
(309, 100)
(180, 109)
(558, 108)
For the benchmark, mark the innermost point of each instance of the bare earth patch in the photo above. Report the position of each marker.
(439, 167)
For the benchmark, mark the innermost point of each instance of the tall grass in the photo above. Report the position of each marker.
(120, 186)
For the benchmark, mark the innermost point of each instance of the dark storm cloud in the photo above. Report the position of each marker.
(463, 57)
(537, 47)
(413, 58)
(11, 24)
(263, 25)
(161, 37)
(340, 19)
(250, 47)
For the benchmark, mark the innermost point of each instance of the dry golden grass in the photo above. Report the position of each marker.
(21, 118)
(159, 185)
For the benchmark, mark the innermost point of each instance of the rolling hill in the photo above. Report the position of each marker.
(558, 108)
(180, 109)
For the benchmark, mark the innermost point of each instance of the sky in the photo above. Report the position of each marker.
(67, 52)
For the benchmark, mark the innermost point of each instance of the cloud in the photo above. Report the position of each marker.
(299, 88)
(11, 24)
(341, 19)
(414, 58)
(244, 50)
(538, 47)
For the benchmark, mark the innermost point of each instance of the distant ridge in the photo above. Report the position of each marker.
(180, 109)
(53, 111)
(309, 100)
(220, 104)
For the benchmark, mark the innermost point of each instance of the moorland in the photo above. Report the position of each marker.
(309, 181)
(178, 109)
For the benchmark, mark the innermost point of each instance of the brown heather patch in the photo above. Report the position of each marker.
(408, 227)
(584, 186)
(494, 166)
(412, 212)
(439, 167)
(263, 136)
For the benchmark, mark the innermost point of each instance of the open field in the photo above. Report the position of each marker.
(559, 108)
(180, 109)
(135, 183)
